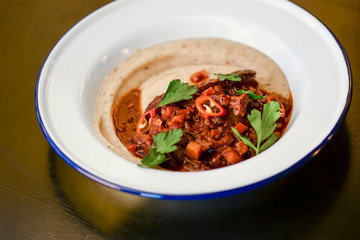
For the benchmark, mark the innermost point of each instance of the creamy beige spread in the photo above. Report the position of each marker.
(153, 68)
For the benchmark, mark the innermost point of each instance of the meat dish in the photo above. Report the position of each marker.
(215, 121)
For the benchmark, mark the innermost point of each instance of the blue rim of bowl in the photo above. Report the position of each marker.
(211, 195)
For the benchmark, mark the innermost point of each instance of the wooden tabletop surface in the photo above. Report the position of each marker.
(41, 197)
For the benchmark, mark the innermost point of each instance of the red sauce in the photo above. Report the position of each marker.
(126, 114)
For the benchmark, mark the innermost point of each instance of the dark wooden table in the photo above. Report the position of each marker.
(41, 197)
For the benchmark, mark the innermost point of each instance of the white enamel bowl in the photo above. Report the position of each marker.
(311, 57)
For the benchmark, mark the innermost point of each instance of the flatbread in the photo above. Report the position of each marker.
(153, 68)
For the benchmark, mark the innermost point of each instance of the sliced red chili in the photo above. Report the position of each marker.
(208, 107)
(208, 92)
(199, 76)
(282, 108)
(143, 124)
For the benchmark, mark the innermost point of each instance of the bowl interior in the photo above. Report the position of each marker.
(307, 52)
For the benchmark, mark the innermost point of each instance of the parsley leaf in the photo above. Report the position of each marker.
(231, 76)
(165, 143)
(271, 140)
(264, 126)
(176, 92)
(250, 93)
(153, 159)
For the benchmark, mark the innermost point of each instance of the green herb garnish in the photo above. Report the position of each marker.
(264, 126)
(250, 93)
(165, 143)
(176, 92)
(231, 76)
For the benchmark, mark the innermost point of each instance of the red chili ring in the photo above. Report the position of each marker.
(142, 118)
(208, 112)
